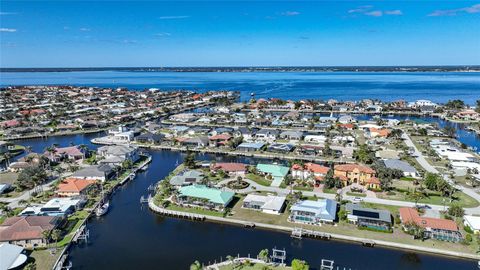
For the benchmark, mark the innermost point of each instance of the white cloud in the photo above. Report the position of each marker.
(173, 17)
(163, 34)
(290, 13)
(368, 11)
(393, 12)
(361, 9)
(83, 29)
(453, 12)
(374, 13)
(8, 30)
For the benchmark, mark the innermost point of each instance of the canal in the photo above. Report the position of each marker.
(132, 237)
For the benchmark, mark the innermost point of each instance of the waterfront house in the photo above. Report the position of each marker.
(59, 153)
(186, 178)
(436, 228)
(467, 115)
(116, 154)
(250, 147)
(101, 172)
(407, 169)
(314, 212)
(358, 174)
(219, 140)
(276, 173)
(72, 187)
(473, 222)
(269, 204)
(197, 142)
(369, 218)
(309, 150)
(57, 207)
(309, 171)
(150, 138)
(27, 231)
(204, 197)
(231, 168)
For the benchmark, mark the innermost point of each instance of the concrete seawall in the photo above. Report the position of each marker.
(340, 237)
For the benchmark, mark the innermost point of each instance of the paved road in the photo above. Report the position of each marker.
(429, 168)
(14, 202)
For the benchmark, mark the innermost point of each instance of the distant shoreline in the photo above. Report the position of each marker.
(457, 68)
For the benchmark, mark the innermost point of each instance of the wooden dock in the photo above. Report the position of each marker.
(300, 232)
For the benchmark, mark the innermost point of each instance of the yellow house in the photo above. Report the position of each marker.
(358, 174)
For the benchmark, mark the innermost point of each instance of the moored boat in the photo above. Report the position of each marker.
(103, 209)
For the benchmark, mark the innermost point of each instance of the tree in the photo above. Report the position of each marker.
(299, 265)
(450, 131)
(455, 104)
(396, 133)
(196, 266)
(56, 235)
(431, 180)
(31, 177)
(189, 160)
(263, 255)
(364, 155)
(422, 132)
(416, 196)
(456, 210)
(415, 230)
(477, 107)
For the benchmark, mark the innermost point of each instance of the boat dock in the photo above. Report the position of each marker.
(298, 233)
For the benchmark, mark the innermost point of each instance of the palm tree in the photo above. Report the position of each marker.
(56, 235)
(84, 149)
(7, 211)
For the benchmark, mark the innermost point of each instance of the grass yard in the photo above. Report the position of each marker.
(356, 194)
(44, 260)
(259, 179)
(199, 211)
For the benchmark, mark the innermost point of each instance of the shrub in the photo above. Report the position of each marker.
(468, 229)
(468, 238)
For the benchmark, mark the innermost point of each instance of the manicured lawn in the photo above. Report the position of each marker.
(44, 260)
(74, 222)
(195, 211)
(303, 188)
(259, 179)
(329, 190)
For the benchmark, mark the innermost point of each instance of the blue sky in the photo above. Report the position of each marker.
(228, 33)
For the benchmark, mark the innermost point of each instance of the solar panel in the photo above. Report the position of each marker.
(362, 213)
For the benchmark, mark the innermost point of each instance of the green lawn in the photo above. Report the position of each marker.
(259, 179)
(44, 260)
(199, 211)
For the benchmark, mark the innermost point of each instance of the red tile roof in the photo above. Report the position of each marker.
(351, 167)
(230, 167)
(23, 228)
(74, 185)
(409, 215)
(222, 137)
(312, 167)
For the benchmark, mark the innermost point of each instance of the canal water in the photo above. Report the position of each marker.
(132, 237)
